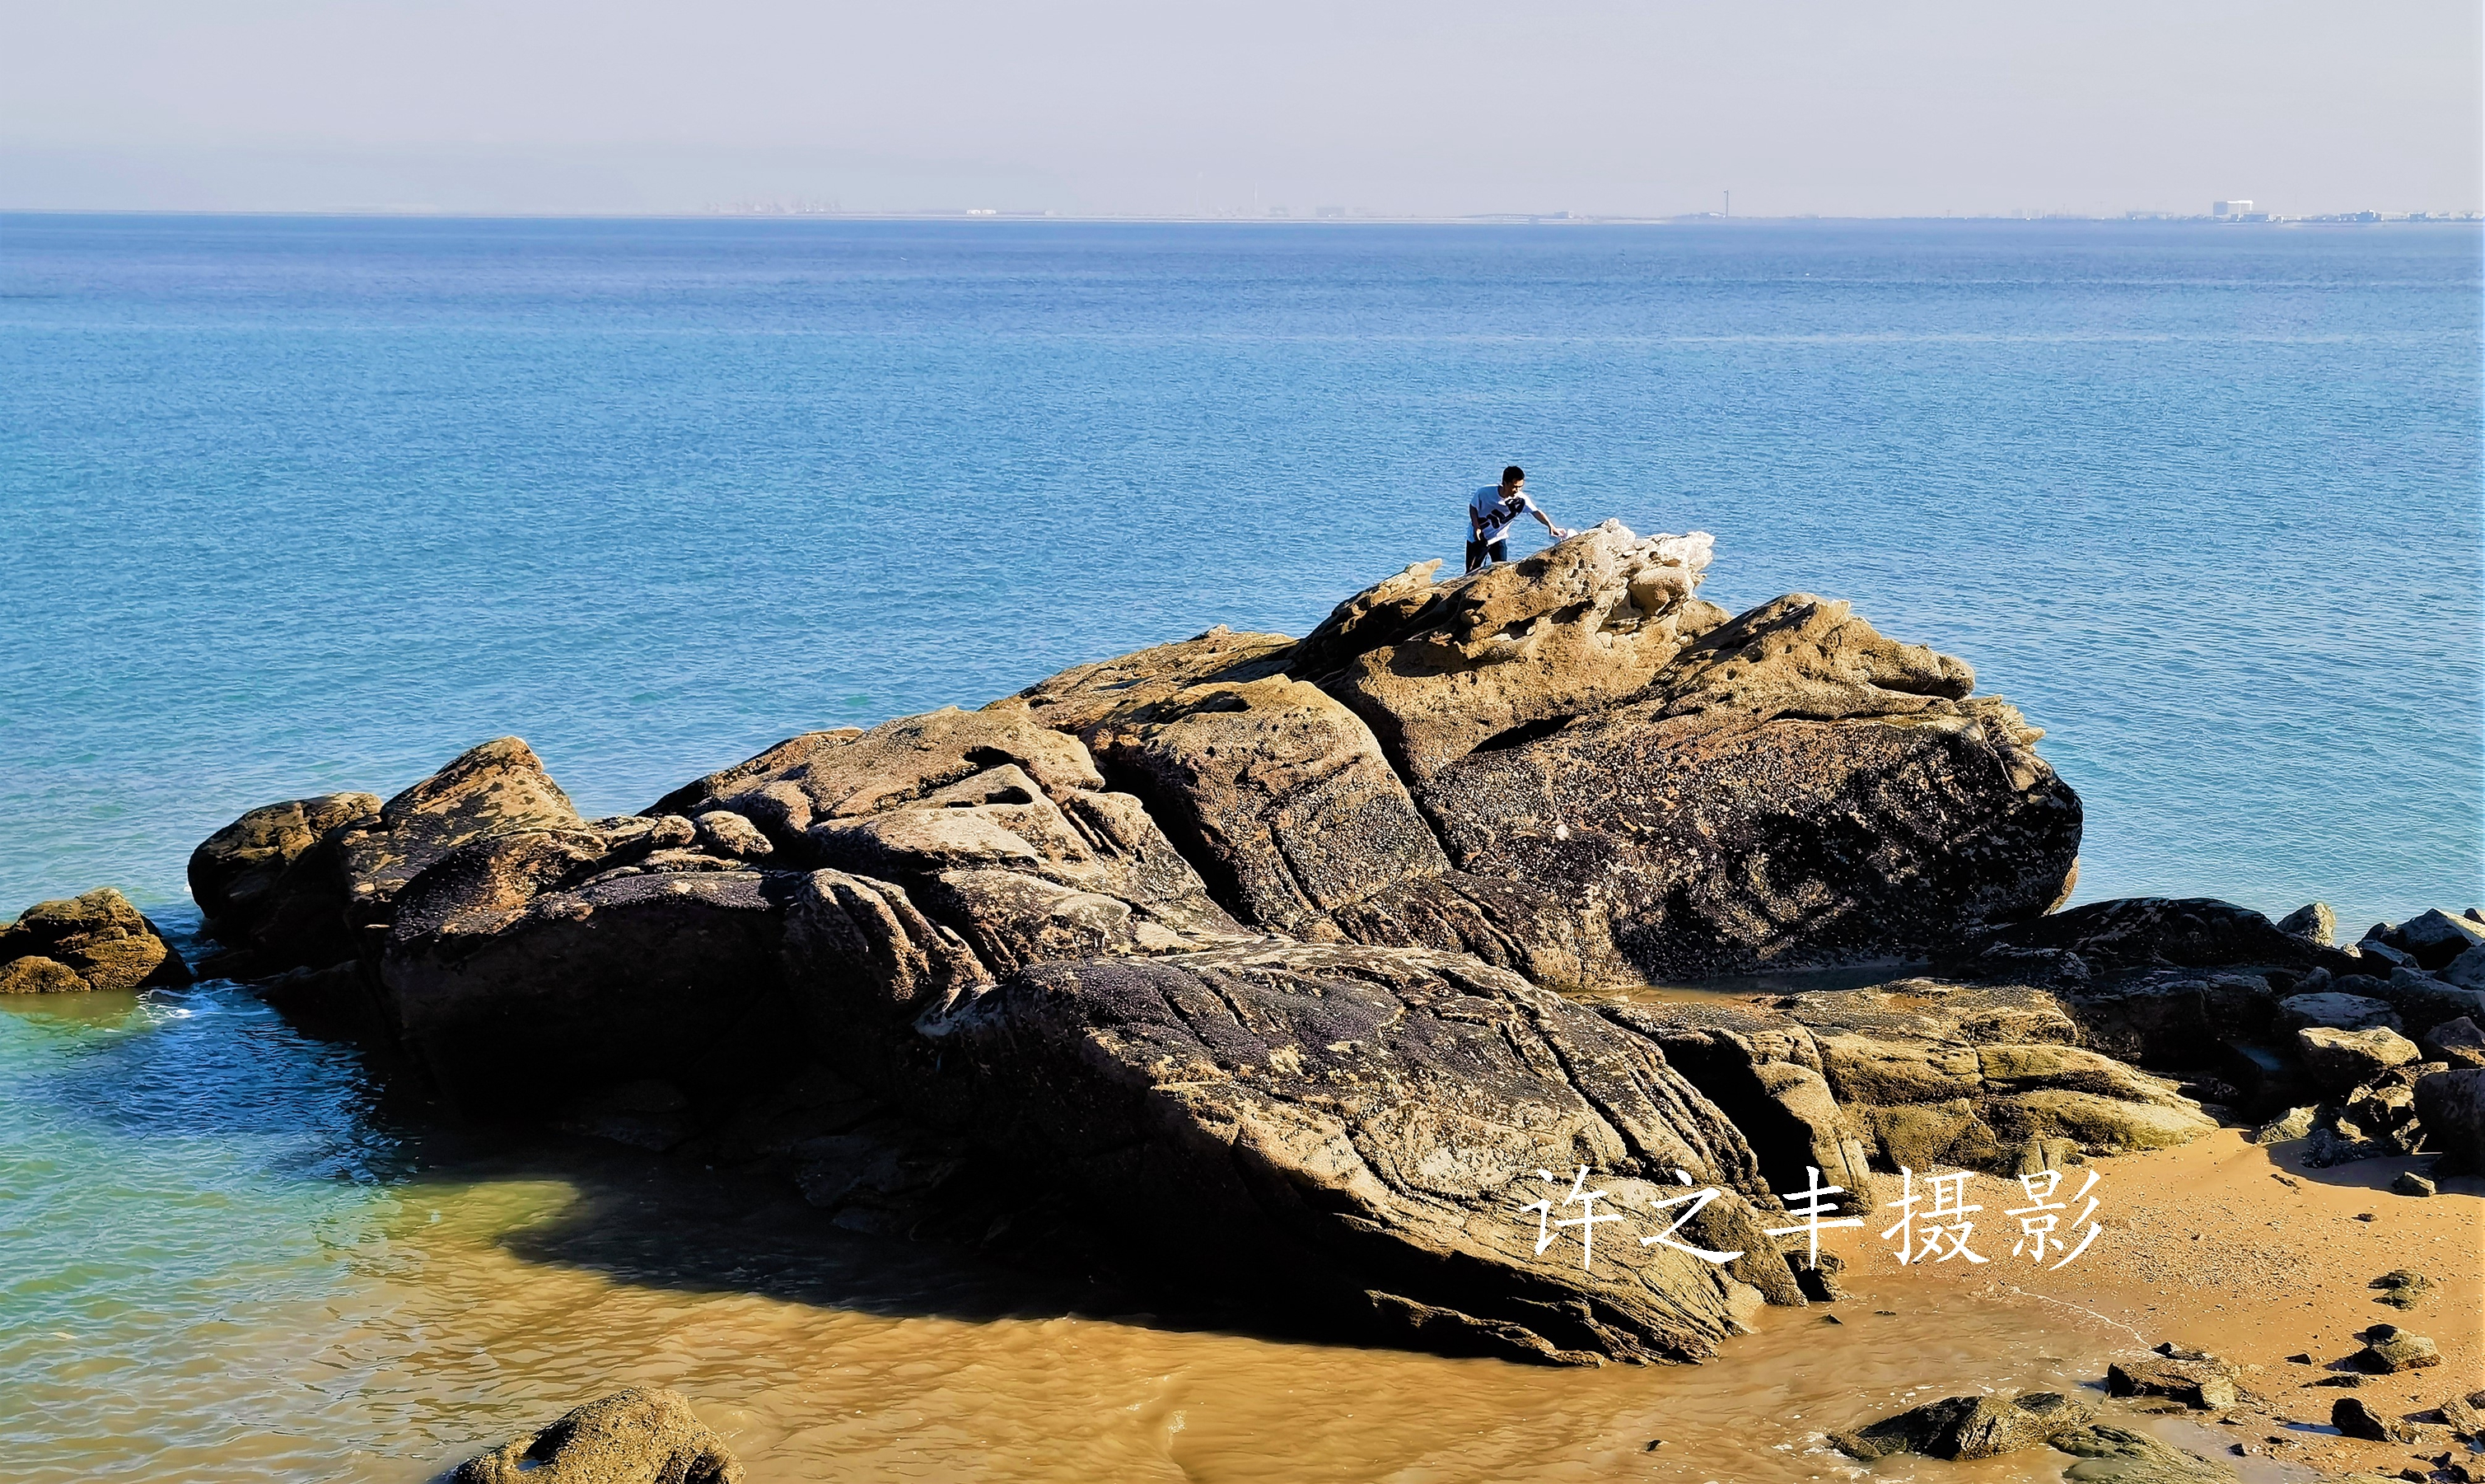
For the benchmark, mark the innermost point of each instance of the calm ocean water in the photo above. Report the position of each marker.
(295, 505)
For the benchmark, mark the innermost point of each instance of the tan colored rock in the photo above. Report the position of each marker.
(1438, 671)
(698, 795)
(34, 974)
(269, 883)
(2338, 1060)
(994, 825)
(99, 938)
(496, 788)
(638, 1436)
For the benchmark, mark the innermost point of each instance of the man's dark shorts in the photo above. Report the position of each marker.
(1478, 550)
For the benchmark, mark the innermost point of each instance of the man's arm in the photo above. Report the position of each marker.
(1537, 511)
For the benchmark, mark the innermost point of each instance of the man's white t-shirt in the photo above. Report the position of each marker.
(1492, 515)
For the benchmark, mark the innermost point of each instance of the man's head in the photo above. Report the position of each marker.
(1511, 478)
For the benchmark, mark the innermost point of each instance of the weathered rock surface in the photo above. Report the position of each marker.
(1441, 671)
(2338, 1060)
(1339, 1124)
(993, 823)
(1963, 1427)
(1914, 1074)
(638, 1436)
(2451, 1107)
(95, 941)
(267, 883)
(2435, 937)
(2145, 931)
(1792, 788)
(528, 965)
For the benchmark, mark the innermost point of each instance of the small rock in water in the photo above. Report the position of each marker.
(2353, 1416)
(2388, 1349)
(2120, 1455)
(1966, 1427)
(2411, 1183)
(638, 1436)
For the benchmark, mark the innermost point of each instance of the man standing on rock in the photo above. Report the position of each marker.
(1490, 513)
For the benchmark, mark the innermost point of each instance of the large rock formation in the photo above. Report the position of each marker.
(95, 941)
(1252, 944)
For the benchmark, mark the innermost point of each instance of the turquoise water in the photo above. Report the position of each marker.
(296, 506)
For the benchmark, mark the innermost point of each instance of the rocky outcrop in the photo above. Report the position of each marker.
(1332, 1126)
(638, 1436)
(95, 941)
(1253, 943)
(2107, 1454)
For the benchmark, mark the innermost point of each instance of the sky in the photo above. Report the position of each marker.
(1443, 108)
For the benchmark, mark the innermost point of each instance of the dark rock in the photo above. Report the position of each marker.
(2390, 1349)
(2401, 1288)
(1309, 1123)
(2336, 1011)
(1869, 806)
(95, 941)
(2356, 1417)
(2410, 1183)
(2467, 971)
(2451, 1107)
(496, 788)
(2205, 1384)
(2379, 953)
(2338, 1060)
(2420, 999)
(1963, 1427)
(2436, 937)
(638, 1436)
(2141, 932)
(2314, 921)
(2458, 1043)
(723, 832)
(2117, 1455)
(2172, 1019)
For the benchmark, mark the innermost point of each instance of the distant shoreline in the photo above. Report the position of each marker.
(1486, 219)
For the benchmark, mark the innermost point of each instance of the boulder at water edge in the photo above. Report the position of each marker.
(639, 1435)
(95, 941)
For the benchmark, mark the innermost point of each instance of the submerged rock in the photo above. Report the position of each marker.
(95, 941)
(2117, 1455)
(2204, 1384)
(643, 1434)
(1963, 1427)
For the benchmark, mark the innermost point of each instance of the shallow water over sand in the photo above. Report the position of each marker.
(228, 1260)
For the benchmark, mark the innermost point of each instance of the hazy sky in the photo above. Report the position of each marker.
(1444, 107)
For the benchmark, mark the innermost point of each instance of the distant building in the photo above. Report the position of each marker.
(1329, 213)
(2226, 210)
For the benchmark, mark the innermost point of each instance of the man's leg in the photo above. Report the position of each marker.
(1500, 550)
(1475, 555)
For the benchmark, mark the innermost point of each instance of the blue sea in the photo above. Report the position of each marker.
(295, 505)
